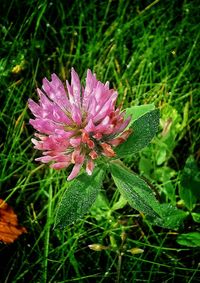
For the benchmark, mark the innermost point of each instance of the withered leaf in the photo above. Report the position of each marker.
(10, 230)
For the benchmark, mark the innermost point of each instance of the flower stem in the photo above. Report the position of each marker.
(47, 235)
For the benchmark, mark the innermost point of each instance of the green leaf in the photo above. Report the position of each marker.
(171, 217)
(136, 111)
(190, 183)
(100, 210)
(163, 175)
(134, 189)
(191, 239)
(144, 129)
(161, 154)
(196, 217)
(146, 167)
(79, 197)
(187, 196)
(119, 204)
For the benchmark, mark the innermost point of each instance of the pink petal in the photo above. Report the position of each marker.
(77, 157)
(60, 165)
(120, 128)
(38, 144)
(107, 150)
(98, 136)
(41, 136)
(92, 107)
(106, 109)
(75, 171)
(62, 133)
(44, 159)
(44, 126)
(120, 139)
(86, 139)
(76, 86)
(56, 91)
(89, 167)
(90, 127)
(70, 93)
(47, 109)
(76, 114)
(75, 141)
(35, 108)
(91, 83)
(90, 144)
(93, 154)
(103, 126)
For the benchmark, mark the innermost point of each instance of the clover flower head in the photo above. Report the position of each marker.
(76, 124)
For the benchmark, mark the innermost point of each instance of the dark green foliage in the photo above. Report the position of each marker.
(190, 239)
(78, 198)
(135, 190)
(189, 190)
(144, 129)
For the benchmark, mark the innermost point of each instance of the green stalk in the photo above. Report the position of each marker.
(47, 235)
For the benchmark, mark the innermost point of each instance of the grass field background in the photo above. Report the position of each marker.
(149, 51)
